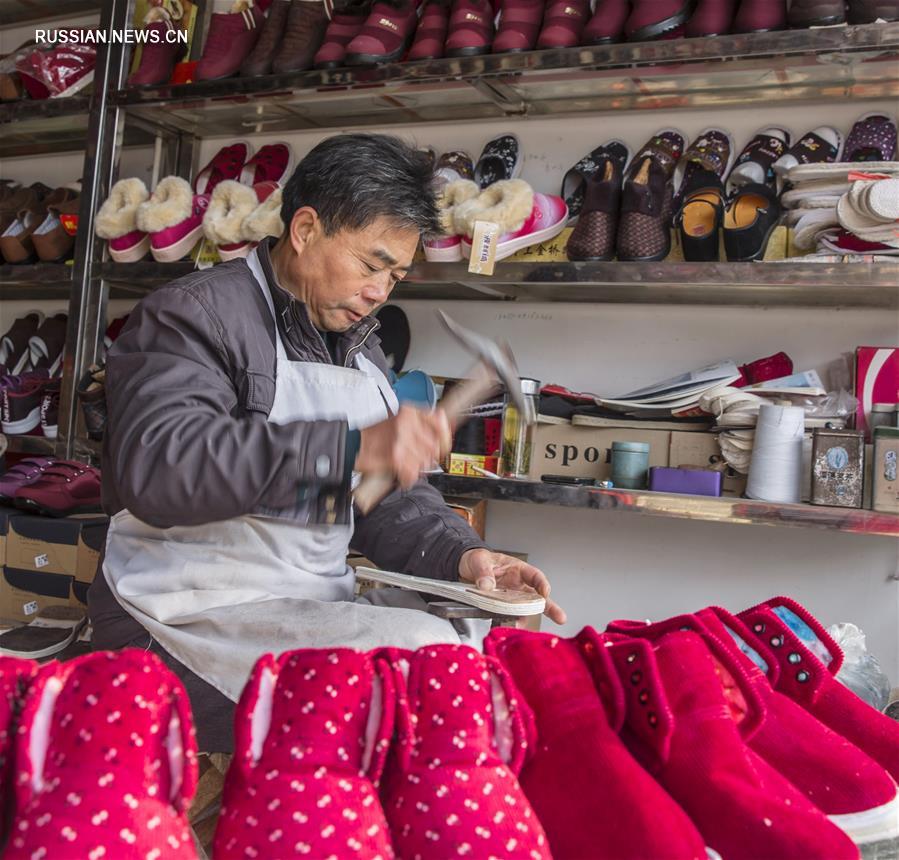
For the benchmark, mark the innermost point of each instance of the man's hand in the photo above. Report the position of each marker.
(487, 570)
(405, 445)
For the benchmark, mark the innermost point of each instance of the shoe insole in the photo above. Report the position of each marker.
(700, 214)
(744, 211)
(642, 177)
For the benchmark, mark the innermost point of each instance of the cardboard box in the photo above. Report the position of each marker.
(49, 562)
(693, 449)
(582, 452)
(5, 514)
(473, 511)
(885, 496)
(876, 381)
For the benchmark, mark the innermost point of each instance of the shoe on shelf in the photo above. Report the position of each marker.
(52, 630)
(749, 220)
(470, 30)
(872, 138)
(62, 490)
(711, 18)
(593, 237)
(816, 13)
(91, 391)
(22, 473)
(158, 56)
(48, 343)
(447, 248)
(173, 216)
(16, 244)
(50, 409)
(229, 207)
(259, 60)
(386, 35)
(22, 397)
(227, 163)
(760, 16)
(15, 353)
(265, 219)
(871, 11)
(19, 199)
(519, 26)
(430, 35)
(500, 159)
(303, 34)
(563, 23)
(52, 241)
(755, 163)
(346, 22)
(654, 19)
(646, 199)
(453, 166)
(574, 183)
(272, 163)
(117, 221)
(822, 145)
(606, 25)
(230, 38)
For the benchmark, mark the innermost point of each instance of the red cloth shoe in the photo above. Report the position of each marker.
(519, 26)
(809, 659)
(387, 33)
(65, 488)
(230, 39)
(449, 786)
(856, 793)
(653, 19)
(685, 715)
(311, 733)
(563, 23)
(344, 26)
(470, 28)
(106, 762)
(15, 676)
(430, 36)
(607, 24)
(585, 787)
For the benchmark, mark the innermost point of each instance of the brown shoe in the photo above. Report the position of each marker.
(52, 242)
(306, 23)
(23, 197)
(259, 62)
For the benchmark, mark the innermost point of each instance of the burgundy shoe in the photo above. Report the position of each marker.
(760, 16)
(22, 397)
(273, 163)
(48, 344)
(711, 18)
(430, 36)
(387, 33)
(470, 28)
(158, 56)
(230, 39)
(227, 163)
(344, 26)
(65, 488)
(306, 23)
(15, 355)
(23, 473)
(519, 26)
(259, 60)
(563, 23)
(652, 19)
(607, 24)
(50, 409)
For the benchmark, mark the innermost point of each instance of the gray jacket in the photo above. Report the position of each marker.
(189, 385)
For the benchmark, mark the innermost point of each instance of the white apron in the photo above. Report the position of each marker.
(220, 595)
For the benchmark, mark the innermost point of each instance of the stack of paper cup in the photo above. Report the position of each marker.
(775, 470)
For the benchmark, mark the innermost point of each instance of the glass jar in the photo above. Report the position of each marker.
(518, 431)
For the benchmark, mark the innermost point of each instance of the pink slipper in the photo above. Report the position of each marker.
(311, 733)
(106, 762)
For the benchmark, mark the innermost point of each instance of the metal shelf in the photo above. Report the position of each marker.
(702, 508)
(865, 285)
(34, 282)
(757, 68)
(31, 445)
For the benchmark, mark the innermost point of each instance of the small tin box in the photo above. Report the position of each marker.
(838, 468)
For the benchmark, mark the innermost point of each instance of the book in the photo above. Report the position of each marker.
(626, 423)
(500, 601)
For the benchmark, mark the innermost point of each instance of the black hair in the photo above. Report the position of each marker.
(351, 180)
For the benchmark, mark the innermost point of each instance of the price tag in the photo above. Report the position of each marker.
(30, 608)
(483, 248)
(41, 561)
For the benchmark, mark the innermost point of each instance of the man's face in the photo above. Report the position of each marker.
(345, 276)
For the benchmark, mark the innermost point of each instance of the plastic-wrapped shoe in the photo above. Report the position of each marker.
(606, 799)
(809, 659)
(106, 761)
(311, 733)
(449, 786)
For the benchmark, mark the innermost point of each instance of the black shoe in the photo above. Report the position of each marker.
(700, 217)
(751, 216)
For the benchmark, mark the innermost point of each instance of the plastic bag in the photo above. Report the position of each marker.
(860, 671)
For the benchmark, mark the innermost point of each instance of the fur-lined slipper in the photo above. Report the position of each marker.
(171, 203)
(508, 203)
(118, 215)
(231, 203)
(265, 219)
(450, 196)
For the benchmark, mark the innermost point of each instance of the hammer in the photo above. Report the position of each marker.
(494, 363)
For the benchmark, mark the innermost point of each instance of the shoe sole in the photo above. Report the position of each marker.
(380, 59)
(134, 254)
(174, 252)
(653, 31)
(832, 21)
(444, 255)
(512, 247)
(872, 825)
(466, 52)
(760, 254)
(50, 650)
(23, 425)
(31, 505)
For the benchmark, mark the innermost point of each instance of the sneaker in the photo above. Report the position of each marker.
(680, 700)
(65, 488)
(315, 718)
(117, 221)
(577, 702)
(50, 409)
(15, 355)
(460, 740)
(822, 145)
(386, 35)
(22, 398)
(303, 33)
(48, 344)
(229, 40)
(118, 779)
(755, 163)
(24, 472)
(872, 138)
(53, 629)
(856, 793)
(808, 660)
(346, 23)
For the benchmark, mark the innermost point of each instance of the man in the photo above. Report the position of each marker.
(241, 401)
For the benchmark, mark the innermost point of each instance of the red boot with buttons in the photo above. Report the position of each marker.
(687, 718)
(450, 788)
(809, 659)
(311, 731)
(106, 762)
(592, 797)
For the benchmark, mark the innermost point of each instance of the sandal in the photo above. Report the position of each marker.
(500, 159)
(749, 221)
(273, 163)
(872, 138)
(755, 161)
(574, 184)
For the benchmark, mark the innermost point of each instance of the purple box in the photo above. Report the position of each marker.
(692, 482)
